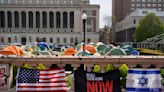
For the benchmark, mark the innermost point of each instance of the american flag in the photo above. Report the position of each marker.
(32, 80)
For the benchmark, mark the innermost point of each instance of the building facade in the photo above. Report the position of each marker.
(123, 8)
(125, 29)
(51, 21)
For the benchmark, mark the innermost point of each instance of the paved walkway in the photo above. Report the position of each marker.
(11, 90)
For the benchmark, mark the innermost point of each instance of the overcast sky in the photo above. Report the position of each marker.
(105, 9)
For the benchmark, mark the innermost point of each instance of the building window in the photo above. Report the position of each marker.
(30, 19)
(58, 20)
(132, 9)
(23, 19)
(89, 29)
(144, 12)
(9, 19)
(154, 1)
(51, 40)
(44, 39)
(76, 40)
(37, 39)
(133, 0)
(134, 21)
(71, 40)
(154, 5)
(2, 18)
(148, 1)
(138, 5)
(9, 39)
(71, 19)
(51, 20)
(159, 5)
(65, 20)
(15, 39)
(132, 5)
(16, 17)
(2, 39)
(30, 39)
(89, 21)
(44, 20)
(159, 9)
(37, 19)
(143, 5)
(58, 40)
(65, 40)
(94, 12)
(148, 5)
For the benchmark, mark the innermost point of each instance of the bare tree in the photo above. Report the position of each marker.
(108, 22)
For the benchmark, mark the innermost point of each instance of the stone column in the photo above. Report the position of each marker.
(27, 20)
(48, 19)
(68, 20)
(61, 20)
(6, 20)
(54, 19)
(34, 19)
(20, 19)
(12, 15)
(41, 19)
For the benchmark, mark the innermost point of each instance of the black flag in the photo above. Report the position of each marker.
(97, 82)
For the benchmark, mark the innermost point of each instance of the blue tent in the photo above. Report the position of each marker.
(43, 45)
(135, 52)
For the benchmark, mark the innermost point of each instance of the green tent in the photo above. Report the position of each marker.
(101, 49)
(128, 49)
(106, 50)
(116, 51)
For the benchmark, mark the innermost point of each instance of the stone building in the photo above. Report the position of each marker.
(51, 21)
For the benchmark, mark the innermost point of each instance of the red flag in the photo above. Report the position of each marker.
(32, 80)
